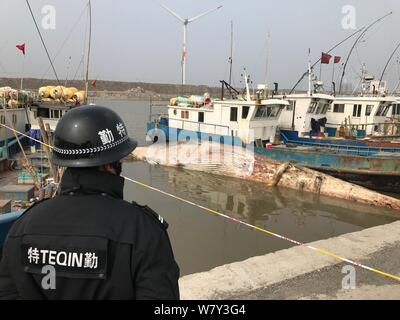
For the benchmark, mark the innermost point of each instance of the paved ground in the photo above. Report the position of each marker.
(326, 283)
(301, 273)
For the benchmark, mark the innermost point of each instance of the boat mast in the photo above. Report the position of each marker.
(267, 60)
(309, 73)
(88, 54)
(231, 56)
(355, 44)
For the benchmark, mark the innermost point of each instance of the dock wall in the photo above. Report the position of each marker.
(245, 278)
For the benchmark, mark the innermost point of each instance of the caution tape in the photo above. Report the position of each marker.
(322, 251)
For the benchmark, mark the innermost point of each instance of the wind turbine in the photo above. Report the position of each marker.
(185, 23)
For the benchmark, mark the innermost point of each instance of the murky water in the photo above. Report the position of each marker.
(201, 240)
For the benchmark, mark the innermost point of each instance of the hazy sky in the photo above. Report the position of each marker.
(139, 41)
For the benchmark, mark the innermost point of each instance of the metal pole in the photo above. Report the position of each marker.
(88, 54)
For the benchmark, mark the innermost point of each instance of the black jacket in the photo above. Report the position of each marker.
(101, 247)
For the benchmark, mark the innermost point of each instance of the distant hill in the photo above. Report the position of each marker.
(121, 87)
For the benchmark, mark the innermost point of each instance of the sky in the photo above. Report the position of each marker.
(137, 40)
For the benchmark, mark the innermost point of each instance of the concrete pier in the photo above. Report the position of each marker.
(301, 273)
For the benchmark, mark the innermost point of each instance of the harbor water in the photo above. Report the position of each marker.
(202, 241)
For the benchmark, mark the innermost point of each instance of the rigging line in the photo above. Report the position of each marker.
(66, 39)
(322, 251)
(359, 38)
(41, 38)
(329, 51)
(387, 63)
(79, 66)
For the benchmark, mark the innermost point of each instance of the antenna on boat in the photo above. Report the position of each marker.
(231, 56)
(309, 73)
(246, 81)
(88, 54)
(267, 59)
(355, 44)
(185, 23)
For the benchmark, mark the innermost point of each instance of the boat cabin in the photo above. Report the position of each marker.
(51, 113)
(305, 113)
(249, 120)
(367, 115)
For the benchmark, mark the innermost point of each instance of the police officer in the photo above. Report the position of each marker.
(87, 242)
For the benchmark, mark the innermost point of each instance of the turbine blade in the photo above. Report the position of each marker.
(173, 13)
(203, 14)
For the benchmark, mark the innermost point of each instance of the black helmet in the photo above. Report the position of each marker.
(90, 136)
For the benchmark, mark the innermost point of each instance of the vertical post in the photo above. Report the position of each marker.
(231, 56)
(309, 72)
(88, 55)
(23, 70)
(45, 137)
(184, 55)
(151, 108)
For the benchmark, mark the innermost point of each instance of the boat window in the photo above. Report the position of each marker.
(322, 108)
(43, 112)
(368, 110)
(338, 108)
(185, 114)
(291, 106)
(56, 114)
(3, 120)
(14, 119)
(234, 112)
(175, 112)
(271, 111)
(245, 112)
(396, 109)
(274, 111)
(313, 107)
(357, 110)
(261, 112)
(382, 110)
(201, 116)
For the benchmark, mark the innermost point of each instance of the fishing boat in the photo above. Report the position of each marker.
(13, 113)
(233, 120)
(240, 121)
(366, 114)
(350, 121)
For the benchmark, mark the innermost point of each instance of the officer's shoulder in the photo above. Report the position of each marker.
(149, 214)
(24, 216)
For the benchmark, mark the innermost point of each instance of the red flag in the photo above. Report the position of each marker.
(325, 58)
(183, 56)
(94, 83)
(337, 59)
(21, 47)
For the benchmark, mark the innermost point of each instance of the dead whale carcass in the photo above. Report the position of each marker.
(242, 163)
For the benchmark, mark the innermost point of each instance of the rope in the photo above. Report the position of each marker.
(322, 251)
(44, 45)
